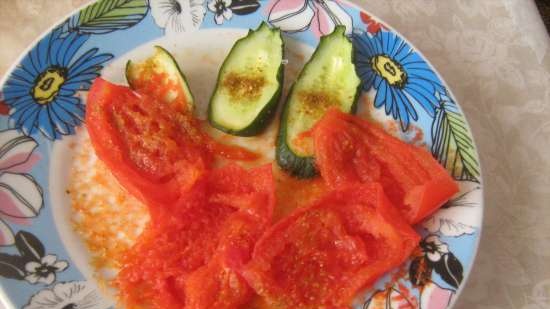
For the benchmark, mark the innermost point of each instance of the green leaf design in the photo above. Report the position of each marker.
(107, 16)
(452, 144)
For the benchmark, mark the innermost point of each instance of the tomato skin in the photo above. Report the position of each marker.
(353, 150)
(192, 253)
(231, 152)
(153, 149)
(346, 240)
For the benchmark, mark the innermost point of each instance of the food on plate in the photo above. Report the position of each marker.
(352, 150)
(211, 240)
(327, 80)
(193, 250)
(160, 76)
(249, 83)
(293, 193)
(107, 218)
(153, 148)
(322, 255)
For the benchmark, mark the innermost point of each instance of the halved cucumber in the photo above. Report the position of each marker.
(249, 84)
(327, 80)
(162, 64)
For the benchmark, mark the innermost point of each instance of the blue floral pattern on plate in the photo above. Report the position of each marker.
(41, 90)
(41, 101)
(402, 79)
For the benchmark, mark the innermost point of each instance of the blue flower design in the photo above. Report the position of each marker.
(399, 75)
(41, 91)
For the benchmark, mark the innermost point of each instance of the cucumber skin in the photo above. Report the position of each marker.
(265, 116)
(191, 99)
(296, 165)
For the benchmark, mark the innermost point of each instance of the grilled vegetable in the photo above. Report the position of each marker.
(161, 69)
(327, 80)
(249, 84)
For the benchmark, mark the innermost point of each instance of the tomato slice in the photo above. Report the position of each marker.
(219, 283)
(154, 270)
(322, 255)
(215, 286)
(193, 250)
(350, 150)
(153, 149)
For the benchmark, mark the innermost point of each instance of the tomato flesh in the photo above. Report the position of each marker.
(322, 255)
(352, 150)
(153, 149)
(219, 283)
(192, 252)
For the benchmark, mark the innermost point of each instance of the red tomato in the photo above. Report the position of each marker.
(153, 149)
(193, 250)
(219, 283)
(322, 255)
(215, 286)
(230, 152)
(350, 150)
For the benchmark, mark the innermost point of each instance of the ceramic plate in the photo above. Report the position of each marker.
(52, 186)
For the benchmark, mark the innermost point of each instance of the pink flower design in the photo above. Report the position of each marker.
(435, 297)
(20, 195)
(322, 16)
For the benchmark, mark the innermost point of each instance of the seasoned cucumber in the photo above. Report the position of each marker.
(159, 69)
(249, 84)
(327, 80)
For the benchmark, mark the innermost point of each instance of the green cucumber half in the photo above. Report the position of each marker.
(327, 80)
(249, 84)
(139, 74)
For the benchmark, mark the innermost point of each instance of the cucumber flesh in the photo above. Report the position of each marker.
(140, 75)
(249, 84)
(328, 80)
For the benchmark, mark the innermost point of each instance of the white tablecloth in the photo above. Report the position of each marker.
(494, 55)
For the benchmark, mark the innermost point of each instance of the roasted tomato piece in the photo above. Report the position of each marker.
(155, 269)
(219, 284)
(216, 286)
(352, 150)
(194, 249)
(322, 255)
(154, 149)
